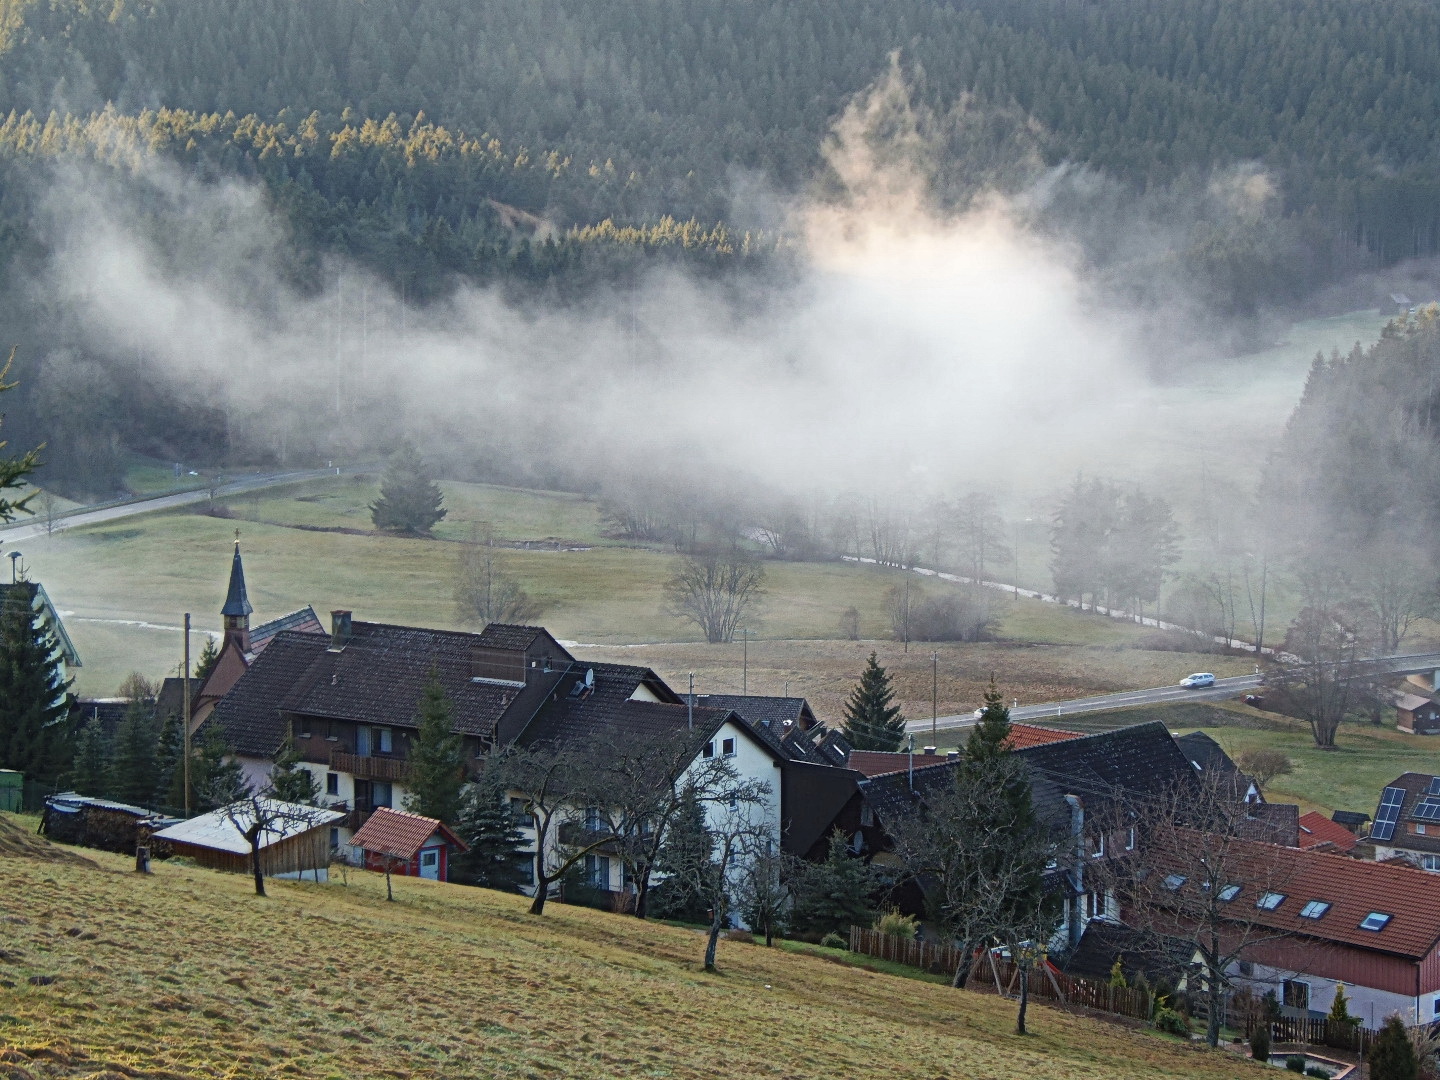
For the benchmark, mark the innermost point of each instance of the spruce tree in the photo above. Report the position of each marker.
(216, 778)
(1392, 1055)
(832, 896)
(688, 843)
(90, 773)
(497, 858)
(289, 780)
(437, 758)
(410, 501)
(133, 773)
(871, 722)
(989, 737)
(206, 662)
(34, 700)
(169, 760)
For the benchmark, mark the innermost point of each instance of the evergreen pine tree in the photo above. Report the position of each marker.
(1392, 1055)
(437, 758)
(90, 773)
(687, 844)
(34, 700)
(289, 780)
(133, 773)
(206, 662)
(169, 760)
(834, 895)
(497, 858)
(871, 722)
(410, 501)
(988, 738)
(216, 778)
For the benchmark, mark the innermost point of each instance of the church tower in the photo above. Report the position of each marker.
(237, 609)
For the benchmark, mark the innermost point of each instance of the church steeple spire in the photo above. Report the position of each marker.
(237, 607)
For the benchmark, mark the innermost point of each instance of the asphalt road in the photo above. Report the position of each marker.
(28, 527)
(1407, 664)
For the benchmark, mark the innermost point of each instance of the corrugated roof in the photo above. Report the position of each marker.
(401, 834)
(1316, 829)
(224, 830)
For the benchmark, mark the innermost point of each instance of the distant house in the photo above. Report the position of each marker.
(1318, 831)
(1407, 821)
(1417, 714)
(1209, 756)
(407, 844)
(295, 845)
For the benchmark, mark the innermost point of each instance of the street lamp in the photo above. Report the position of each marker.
(14, 567)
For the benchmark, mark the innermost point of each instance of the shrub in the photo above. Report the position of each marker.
(1260, 1042)
(1392, 1055)
(1170, 1021)
(1295, 1063)
(1315, 1070)
(833, 940)
(740, 935)
(893, 924)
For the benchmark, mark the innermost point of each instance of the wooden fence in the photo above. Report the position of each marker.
(1337, 1034)
(925, 955)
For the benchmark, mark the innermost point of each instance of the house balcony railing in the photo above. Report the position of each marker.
(575, 834)
(369, 768)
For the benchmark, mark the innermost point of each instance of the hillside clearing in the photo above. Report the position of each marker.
(185, 973)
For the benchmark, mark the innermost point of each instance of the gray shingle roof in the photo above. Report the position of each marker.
(236, 602)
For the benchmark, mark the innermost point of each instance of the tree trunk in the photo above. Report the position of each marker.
(1216, 995)
(255, 865)
(537, 902)
(1024, 1000)
(389, 892)
(769, 933)
(962, 969)
(642, 894)
(715, 922)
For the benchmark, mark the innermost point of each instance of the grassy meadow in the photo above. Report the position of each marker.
(123, 588)
(185, 973)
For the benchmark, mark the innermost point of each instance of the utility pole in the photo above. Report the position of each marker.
(934, 694)
(185, 710)
(690, 704)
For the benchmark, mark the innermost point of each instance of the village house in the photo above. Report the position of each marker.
(1407, 821)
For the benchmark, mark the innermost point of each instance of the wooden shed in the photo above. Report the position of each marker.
(103, 824)
(1416, 714)
(407, 844)
(295, 842)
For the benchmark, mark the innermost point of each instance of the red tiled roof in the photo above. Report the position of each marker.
(1316, 829)
(401, 834)
(1023, 735)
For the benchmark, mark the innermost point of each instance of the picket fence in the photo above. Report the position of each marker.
(1337, 1034)
(994, 974)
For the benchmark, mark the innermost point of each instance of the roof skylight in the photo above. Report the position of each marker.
(1376, 920)
(1314, 909)
(1270, 901)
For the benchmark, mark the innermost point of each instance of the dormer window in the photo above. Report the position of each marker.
(1270, 901)
(1314, 909)
(1376, 920)
(709, 750)
(727, 747)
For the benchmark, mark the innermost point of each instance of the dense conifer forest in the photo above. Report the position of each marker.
(555, 146)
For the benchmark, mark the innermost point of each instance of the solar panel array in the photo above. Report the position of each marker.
(1434, 786)
(1427, 810)
(1388, 814)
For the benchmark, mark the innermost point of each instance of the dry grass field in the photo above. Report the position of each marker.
(104, 974)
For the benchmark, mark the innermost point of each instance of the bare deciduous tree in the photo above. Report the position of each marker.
(258, 817)
(715, 588)
(485, 591)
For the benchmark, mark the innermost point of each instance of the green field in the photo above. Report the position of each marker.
(186, 973)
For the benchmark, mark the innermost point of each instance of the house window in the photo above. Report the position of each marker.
(334, 839)
(383, 743)
(1245, 969)
(727, 747)
(597, 871)
(592, 819)
(867, 816)
(1436, 1006)
(380, 794)
(1130, 838)
(1376, 920)
(709, 750)
(1314, 909)
(1097, 846)
(1270, 901)
(1295, 994)
(332, 783)
(1418, 829)
(1430, 862)
(1228, 893)
(527, 872)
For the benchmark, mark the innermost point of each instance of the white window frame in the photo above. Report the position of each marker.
(1130, 838)
(709, 749)
(727, 747)
(867, 815)
(1097, 847)
(384, 741)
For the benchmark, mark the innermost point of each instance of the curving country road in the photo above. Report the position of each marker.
(1407, 664)
(29, 527)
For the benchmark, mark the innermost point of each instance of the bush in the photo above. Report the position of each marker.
(1260, 1042)
(1315, 1070)
(893, 924)
(1171, 1022)
(1295, 1063)
(833, 940)
(740, 935)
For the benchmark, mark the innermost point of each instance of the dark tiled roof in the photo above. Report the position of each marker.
(508, 636)
(609, 707)
(1353, 819)
(305, 621)
(171, 699)
(1139, 953)
(1272, 823)
(758, 709)
(107, 713)
(236, 602)
(1415, 786)
(249, 716)
(401, 834)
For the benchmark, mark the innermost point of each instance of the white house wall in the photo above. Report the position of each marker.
(1372, 1006)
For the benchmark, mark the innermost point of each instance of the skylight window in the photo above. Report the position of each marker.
(1174, 881)
(1376, 920)
(1314, 909)
(1228, 893)
(1270, 901)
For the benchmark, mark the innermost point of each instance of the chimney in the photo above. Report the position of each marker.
(951, 755)
(339, 629)
(1075, 920)
(928, 751)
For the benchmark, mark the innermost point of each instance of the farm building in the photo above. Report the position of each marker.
(407, 844)
(99, 823)
(294, 839)
(1417, 714)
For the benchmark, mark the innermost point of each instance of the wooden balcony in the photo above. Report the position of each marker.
(370, 768)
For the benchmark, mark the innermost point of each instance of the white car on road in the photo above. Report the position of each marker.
(1199, 679)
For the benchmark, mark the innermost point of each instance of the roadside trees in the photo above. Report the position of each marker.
(1322, 679)
(715, 587)
(870, 721)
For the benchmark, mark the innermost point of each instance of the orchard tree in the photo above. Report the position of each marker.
(410, 501)
(715, 587)
(871, 722)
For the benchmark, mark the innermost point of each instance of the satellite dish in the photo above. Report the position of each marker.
(590, 678)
